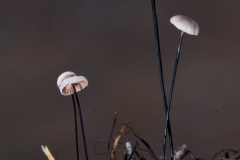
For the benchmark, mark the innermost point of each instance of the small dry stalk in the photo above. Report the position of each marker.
(181, 153)
(115, 143)
(47, 153)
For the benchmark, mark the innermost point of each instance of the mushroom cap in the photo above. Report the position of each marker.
(67, 79)
(63, 76)
(185, 24)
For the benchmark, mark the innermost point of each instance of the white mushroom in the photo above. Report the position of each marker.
(67, 79)
(185, 24)
(69, 84)
(63, 76)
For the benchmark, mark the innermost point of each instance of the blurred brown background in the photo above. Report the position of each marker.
(112, 44)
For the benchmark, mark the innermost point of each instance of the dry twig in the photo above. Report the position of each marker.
(47, 153)
(181, 152)
(115, 143)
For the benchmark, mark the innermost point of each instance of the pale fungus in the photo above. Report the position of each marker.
(69, 84)
(185, 24)
(67, 79)
(63, 76)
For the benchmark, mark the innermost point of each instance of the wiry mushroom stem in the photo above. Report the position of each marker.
(75, 121)
(161, 79)
(81, 121)
(171, 88)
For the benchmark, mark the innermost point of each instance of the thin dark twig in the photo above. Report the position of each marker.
(81, 121)
(161, 78)
(147, 145)
(224, 150)
(193, 157)
(94, 147)
(144, 150)
(110, 137)
(138, 146)
(131, 130)
(158, 52)
(172, 86)
(217, 153)
(76, 131)
(138, 155)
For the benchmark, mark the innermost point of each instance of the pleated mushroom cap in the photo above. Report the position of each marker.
(185, 24)
(63, 76)
(67, 79)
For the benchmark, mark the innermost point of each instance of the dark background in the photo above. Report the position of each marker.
(112, 44)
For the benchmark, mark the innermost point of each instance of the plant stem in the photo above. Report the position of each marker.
(161, 78)
(110, 137)
(172, 86)
(81, 121)
(76, 132)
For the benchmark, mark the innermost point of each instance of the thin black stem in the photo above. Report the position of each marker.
(76, 131)
(171, 87)
(161, 78)
(110, 137)
(81, 121)
(194, 158)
